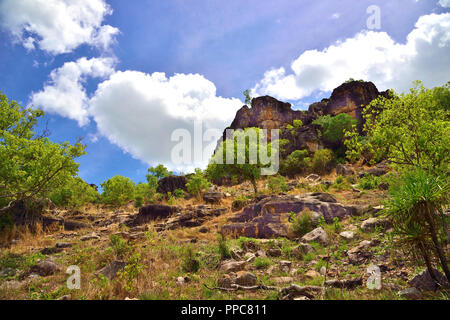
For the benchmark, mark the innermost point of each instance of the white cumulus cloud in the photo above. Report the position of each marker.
(139, 112)
(444, 3)
(64, 93)
(57, 26)
(369, 55)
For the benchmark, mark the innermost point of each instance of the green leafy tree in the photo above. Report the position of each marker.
(243, 167)
(197, 183)
(31, 165)
(118, 190)
(334, 127)
(75, 193)
(411, 129)
(322, 161)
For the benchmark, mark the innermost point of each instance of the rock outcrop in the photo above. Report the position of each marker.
(269, 113)
(268, 218)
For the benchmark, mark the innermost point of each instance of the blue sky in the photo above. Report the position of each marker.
(97, 72)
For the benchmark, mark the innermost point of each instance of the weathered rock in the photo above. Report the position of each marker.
(317, 235)
(371, 224)
(226, 281)
(344, 284)
(344, 170)
(111, 270)
(411, 294)
(46, 268)
(63, 245)
(11, 285)
(361, 253)
(171, 183)
(313, 177)
(213, 197)
(285, 266)
(312, 274)
(51, 250)
(153, 212)
(249, 257)
(347, 235)
(232, 266)
(245, 278)
(274, 252)
(71, 225)
(424, 282)
(92, 236)
(375, 171)
(268, 218)
(7, 272)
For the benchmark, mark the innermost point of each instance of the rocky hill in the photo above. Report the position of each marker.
(269, 113)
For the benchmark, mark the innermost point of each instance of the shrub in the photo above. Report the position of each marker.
(322, 161)
(297, 123)
(296, 163)
(197, 184)
(223, 248)
(416, 208)
(179, 193)
(334, 127)
(190, 263)
(301, 223)
(277, 184)
(369, 182)
(120, 246)
(239, 203)
(118, 190)
(261, 262)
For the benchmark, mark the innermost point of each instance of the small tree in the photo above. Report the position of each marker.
(248, 99)
(31, 165)
(74, 193)
(411, 129)
(296, 163)
(334, 128)
(197, 183)
(118, 190)
(246, 159)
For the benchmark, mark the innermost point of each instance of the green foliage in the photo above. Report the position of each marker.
(160, 171)
(297, 162)
(190, 263)
(416, 209)
(261, 262)
(322, 161)
(118, 190)
(334, 127)
(411, 129)
(223, 248)
(75, 193)
(131, 271)
(120, 246)
(197, 183)
(179, 193)
(342, 183)
(144, 193)
(248, 98)
(243, 166)
(337, 226)
(297, 123)
(301, 223)
(31, 165)
(353, 80)
(369, 182)
(277, 184)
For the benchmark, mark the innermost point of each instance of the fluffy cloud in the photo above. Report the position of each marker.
(57, 26)
(370, 55)
(444, 3)
(139, 112)
(64, 93)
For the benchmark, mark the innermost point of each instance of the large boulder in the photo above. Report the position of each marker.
(268, 218)
(317, 235)
(424, 282)
(171, 183)
(153, 212)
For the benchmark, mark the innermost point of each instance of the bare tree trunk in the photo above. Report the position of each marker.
(428, 263)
